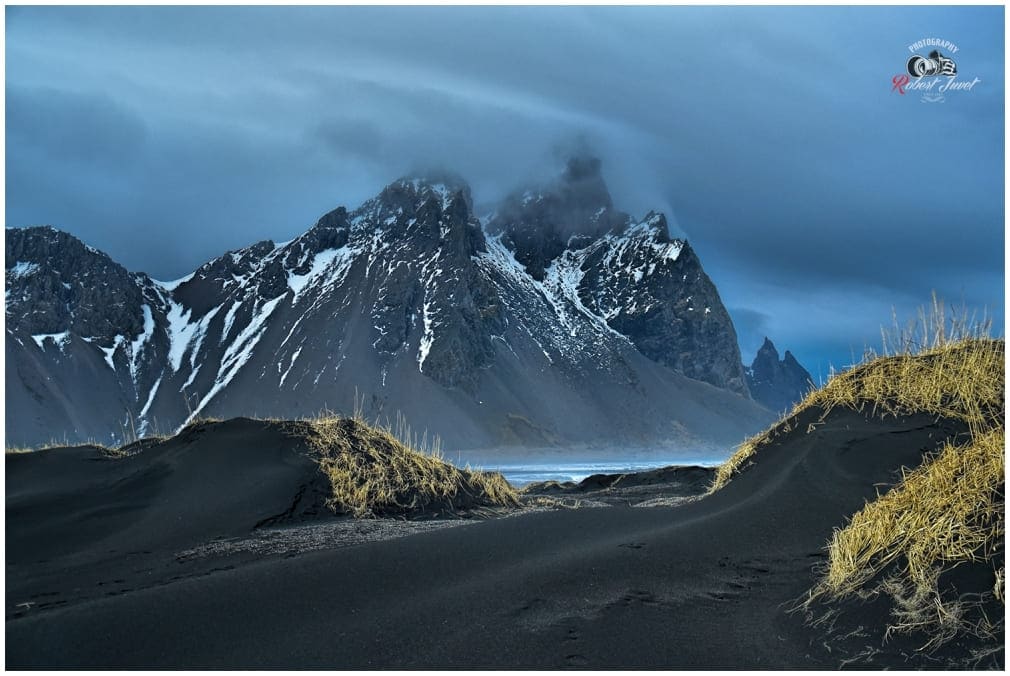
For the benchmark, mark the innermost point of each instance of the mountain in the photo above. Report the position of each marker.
(777, 384)
(628, 275)
(554, 320)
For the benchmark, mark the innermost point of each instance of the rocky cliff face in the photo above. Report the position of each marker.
(556, 320)
(777, 384)
(627, 273)
(64, 285)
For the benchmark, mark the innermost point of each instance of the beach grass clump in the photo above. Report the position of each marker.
(742, 455)
(17, 450)
(372, 473)
(942, 363)
(948, 511)
(105, 451)
(961, 380)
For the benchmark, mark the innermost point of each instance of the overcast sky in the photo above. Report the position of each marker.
(816, 196)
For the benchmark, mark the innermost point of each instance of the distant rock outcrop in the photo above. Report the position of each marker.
(777, 384)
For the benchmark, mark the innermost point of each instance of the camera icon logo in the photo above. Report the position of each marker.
(934, 64)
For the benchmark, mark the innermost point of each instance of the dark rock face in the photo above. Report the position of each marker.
(57, 283)
(429, 282)
(777, 384)
(537, 224)
(558, 321)
(655, 292)
(628, 274)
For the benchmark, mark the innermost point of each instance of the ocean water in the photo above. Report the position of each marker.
(520, 474)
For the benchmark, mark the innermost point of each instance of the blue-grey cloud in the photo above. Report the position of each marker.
(817, 198)
(70, 127)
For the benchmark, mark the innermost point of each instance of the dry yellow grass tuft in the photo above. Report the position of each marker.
(948, 511)
(748, 448)
(197, 422)
(961, 380)
(20, 450)
(941, 363)
(735, 463)
(372, 473)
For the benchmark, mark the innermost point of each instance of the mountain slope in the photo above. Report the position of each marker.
(465, 328)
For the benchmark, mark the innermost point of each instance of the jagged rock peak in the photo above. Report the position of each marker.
(582, 185)
(766, 360)
(442, 185)
(36, 243)
(777, 384)
(656, 222)
(578, 201)
(539, 223)
(57, 283)
(431, 207)
(406, 297)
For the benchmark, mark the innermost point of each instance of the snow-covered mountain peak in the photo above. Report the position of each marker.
(557, 318)
(412, 193)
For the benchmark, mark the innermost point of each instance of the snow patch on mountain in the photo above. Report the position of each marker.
(59, 339)
(334, 263)
(561, 285)
(427, 338)
(229, 320)
(142, 418)
(110, 351)
(182, 333)
(22, 269)
(238, 352)
(294, 357)
(175, 283)
(443, 192)
(498, 257)
(138, 345)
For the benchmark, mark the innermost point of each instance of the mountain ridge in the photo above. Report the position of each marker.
(410, 299)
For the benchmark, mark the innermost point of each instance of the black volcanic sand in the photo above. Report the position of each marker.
(156, 561)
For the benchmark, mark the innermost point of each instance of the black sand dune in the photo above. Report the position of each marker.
(93, 549)
(78, 500)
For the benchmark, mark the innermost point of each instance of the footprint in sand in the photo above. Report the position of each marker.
(576, 660)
